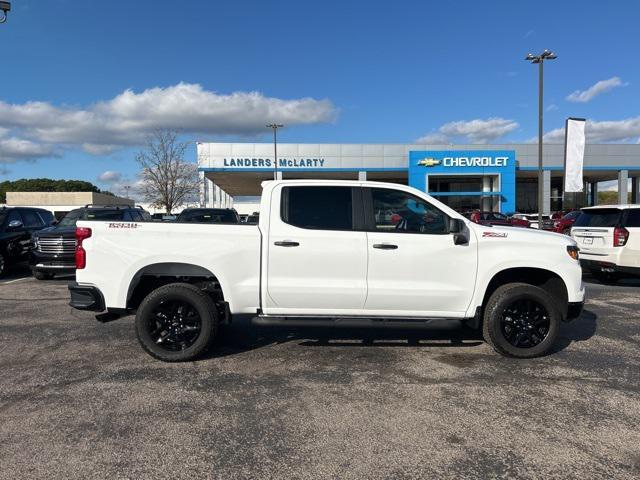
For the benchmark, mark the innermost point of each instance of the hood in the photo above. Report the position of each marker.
(56, 231)
(531, 235)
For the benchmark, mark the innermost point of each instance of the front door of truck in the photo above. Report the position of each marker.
(414, 266)
(317, 262)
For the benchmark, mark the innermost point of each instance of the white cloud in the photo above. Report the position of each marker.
(552, 107)
(598, 88)
(109, 176)
(608, 131)
(128, 118)
(471, 131)
(13, 149)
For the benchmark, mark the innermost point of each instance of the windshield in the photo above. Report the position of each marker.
(599, 217)
(208, 216)
(71, 218)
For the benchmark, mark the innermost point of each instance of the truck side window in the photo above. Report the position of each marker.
(318, 208)
(401, 212)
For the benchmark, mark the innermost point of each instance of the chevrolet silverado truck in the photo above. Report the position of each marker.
(330, 252)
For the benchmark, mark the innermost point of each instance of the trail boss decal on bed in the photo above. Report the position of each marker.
(494, 234)
(123, 225)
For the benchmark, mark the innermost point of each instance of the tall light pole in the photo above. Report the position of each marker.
(5, 7)
(275, 127)
(539, 59)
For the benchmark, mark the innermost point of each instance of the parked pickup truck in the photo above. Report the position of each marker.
(330, 252)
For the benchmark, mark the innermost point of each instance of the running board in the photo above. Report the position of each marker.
(410, 322)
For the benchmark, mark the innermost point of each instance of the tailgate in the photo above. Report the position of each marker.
(594, 240)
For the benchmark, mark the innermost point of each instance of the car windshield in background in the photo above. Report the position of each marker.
(72, 217)
(598, 217)
(208, 216)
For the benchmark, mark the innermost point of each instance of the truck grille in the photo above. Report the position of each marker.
(57, 246)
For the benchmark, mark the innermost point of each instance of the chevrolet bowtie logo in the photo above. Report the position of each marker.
(429, 162)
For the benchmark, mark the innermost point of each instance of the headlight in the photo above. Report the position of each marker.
(573, 252)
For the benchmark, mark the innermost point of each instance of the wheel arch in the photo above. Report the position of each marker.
(155, 275)
(543, 278)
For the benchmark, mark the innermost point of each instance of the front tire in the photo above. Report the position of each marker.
(42, 275)
(176, 322)
(521, 320)
(3, 265)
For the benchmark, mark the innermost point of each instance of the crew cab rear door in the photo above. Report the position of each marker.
(415, 268)
(316, 259)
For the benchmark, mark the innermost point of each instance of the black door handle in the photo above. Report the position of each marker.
(385, 246)
(286, 243)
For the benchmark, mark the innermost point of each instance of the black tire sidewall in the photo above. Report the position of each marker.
(502, 298)
(183, 292)
(42, 275)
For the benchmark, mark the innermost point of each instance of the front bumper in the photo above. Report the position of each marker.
(86, 297)
(52, 263)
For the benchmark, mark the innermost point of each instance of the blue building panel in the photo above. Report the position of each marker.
(500, 163)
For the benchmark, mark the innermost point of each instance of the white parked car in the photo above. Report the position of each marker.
(321, 255)
(609, 240)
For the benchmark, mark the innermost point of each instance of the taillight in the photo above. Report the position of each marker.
(620, 236)
(81, 255)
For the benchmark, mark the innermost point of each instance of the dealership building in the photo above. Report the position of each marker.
(502, 178)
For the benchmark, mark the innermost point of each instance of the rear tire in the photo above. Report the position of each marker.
(42, 275)
(3, 265)
(176, 322)
(521, 320)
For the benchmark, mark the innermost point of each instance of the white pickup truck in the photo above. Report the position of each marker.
(339, 252)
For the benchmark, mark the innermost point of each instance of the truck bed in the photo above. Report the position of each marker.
(119, 252)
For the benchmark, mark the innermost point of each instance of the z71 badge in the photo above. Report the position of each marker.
(494, 234)
(123, 225)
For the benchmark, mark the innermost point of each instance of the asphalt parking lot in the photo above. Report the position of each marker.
(80, 399)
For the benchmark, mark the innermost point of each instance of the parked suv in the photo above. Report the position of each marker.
(564, 223)
(53, 248)
(16, 227)
(609, 240)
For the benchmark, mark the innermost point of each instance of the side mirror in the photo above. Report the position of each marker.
(15, 224)
(457, 227)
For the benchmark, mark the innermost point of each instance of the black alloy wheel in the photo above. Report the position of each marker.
(176, 322)
(525, 323)
(521, 320)
(174, 325)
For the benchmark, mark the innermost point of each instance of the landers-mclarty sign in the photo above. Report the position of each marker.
(268, 163)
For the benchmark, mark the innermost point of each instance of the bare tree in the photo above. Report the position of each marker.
(167, 181)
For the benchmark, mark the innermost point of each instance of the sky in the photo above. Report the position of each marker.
(84, 82)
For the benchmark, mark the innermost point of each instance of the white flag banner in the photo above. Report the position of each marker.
(574, 154)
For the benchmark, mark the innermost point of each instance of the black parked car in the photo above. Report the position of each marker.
(209, 215)
(17, 224)
(53, 249)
